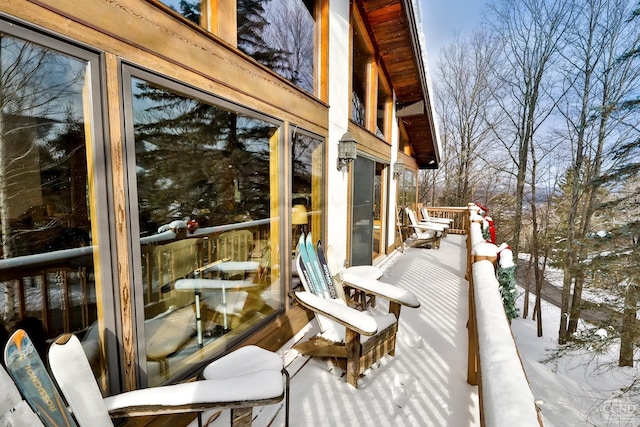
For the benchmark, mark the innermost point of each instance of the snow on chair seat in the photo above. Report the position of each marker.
(247, 363)
(73, 374)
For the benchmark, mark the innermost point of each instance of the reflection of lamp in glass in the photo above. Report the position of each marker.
(299, 217)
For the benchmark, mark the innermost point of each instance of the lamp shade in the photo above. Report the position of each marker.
(398, 168)
(299, 215)
(347, 147)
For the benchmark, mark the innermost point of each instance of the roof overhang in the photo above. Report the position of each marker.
(395, 32)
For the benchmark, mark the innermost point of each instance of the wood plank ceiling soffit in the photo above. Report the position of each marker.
(393, 30)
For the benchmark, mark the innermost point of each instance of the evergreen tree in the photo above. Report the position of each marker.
(195, 159)
(252, 26)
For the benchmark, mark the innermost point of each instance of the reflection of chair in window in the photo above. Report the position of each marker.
(176, 260)
(228, 286)
(171, 322)
(169, 332)
(235, 245)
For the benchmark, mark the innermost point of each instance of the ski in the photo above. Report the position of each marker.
(13, 410)
(315, 267)
(324, 267)
(303, 270)
(33, 380)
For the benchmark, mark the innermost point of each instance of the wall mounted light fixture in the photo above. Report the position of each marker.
(398, 169)
(346, 151)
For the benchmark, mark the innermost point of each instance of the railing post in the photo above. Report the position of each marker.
(472, 326)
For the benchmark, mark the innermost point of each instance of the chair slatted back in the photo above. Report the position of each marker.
(235, 245)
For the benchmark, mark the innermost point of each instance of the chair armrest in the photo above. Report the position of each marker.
(447, 221)
(435, 223)
(381, 289)
(424, 226)
(240, 391)
(352, 319)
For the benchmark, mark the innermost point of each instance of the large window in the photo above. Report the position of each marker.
(50, 211)
(383, 110)
(207, 186)
(407, 193)
(280, 34)
(362, 56)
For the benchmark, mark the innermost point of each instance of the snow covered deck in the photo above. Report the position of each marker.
(424, 384)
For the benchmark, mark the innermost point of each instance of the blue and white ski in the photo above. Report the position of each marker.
(315, 268)
(303, 267)
(13, 410)
(324, 267)
(33, 380)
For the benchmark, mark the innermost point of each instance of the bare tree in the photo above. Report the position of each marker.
(290, 31)
(465, 94)
(531, 34)
(35, 84)
(595, 81)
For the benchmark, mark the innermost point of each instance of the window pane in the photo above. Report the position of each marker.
(279, 34)
(384, 100)
(47, 280)
(307, 197)
(207, 192)
(190, 9)
(407, 187)
(377, 207)
(361, 61)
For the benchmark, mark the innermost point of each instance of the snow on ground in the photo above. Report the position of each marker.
(580, 389)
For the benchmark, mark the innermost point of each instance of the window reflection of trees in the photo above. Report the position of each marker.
(188, 9)
(44, 191)
(291, 30)
(279, 34)
(197, 161)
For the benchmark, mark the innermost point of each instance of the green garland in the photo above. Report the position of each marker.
(507, 281)
(486, 234)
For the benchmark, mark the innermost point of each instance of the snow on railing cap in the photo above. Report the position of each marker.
(484, 249)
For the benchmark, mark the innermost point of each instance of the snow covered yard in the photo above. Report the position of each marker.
(581, 388)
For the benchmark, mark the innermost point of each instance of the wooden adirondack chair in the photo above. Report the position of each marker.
(354, 339)
(425, 232)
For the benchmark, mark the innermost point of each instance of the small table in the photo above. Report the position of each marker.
(198, 285)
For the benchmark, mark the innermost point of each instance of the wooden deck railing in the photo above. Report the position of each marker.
(56, 287)
(494, 364)
(459, 215)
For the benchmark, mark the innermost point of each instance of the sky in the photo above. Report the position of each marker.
(441, 19)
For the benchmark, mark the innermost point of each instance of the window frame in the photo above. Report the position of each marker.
(100, 187)
(128, 72)
(219, 18)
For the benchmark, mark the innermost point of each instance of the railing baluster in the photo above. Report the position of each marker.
(45, 301)
(22, 307)
(66, 307)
